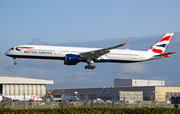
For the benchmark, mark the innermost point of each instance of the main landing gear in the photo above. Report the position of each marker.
(90, 66)
(15, 63)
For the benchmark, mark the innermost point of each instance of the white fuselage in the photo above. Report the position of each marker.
(64, 98)
(23, 98)
(59, 53)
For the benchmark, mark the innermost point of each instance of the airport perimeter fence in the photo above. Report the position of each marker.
(84, 104)
(127, 101)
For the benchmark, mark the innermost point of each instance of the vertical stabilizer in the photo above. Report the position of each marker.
(76, 93)
(161, 45)
(50, 96)
(62, 92)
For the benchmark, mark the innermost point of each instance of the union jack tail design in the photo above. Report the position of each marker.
(76, 93)
(50, 96)
(161, 45)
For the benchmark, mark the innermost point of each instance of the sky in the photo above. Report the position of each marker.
(101, 23)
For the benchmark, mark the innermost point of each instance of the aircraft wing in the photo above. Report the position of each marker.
(97, 53)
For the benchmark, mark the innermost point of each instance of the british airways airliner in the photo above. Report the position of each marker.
(74, 55)
(76, 97)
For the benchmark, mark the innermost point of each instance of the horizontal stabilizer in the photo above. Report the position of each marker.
(169, 53)
(164, 55)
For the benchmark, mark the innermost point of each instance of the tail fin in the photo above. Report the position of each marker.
(76, 93)
(62, 92)
(161, 45)
(78, 96)
(50, 96)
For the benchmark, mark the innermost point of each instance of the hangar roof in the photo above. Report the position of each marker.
(9, 79)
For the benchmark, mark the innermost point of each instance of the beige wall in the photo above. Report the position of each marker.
(21, 89)
(160, 92)
(164, 89)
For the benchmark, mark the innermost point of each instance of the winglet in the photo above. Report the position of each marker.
(125, 42)
(122, 44)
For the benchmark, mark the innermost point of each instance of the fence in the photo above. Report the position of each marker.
(127, 100)
(84, 104)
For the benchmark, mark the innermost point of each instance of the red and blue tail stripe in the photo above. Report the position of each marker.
(161, 45)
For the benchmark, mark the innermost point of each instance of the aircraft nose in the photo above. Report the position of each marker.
(7, 53)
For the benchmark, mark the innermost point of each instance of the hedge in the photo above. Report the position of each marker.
(143, 110)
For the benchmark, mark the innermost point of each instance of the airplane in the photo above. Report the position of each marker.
(64, 97)
(74, 55)
(51, 98)
(22, 97)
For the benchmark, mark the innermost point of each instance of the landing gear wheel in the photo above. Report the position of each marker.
(86, 67)
(15, 63)
(90, 67)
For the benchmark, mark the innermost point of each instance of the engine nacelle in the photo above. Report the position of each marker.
(71, 59)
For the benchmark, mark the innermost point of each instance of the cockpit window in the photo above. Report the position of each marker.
(12, 49)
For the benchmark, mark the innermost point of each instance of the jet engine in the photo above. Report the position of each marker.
(71, 59)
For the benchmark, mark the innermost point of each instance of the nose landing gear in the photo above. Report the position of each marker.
(15, 63)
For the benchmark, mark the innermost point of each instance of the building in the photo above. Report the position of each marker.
(14, 85)
(137, 82)
(150, 93)
(130, 95)
(132, 89)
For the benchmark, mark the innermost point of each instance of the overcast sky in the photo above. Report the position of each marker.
(101, 23)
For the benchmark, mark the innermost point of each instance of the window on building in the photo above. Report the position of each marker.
(178, 94)
(175, 94)
(167, 96)
(171, 94)
(1, 89)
